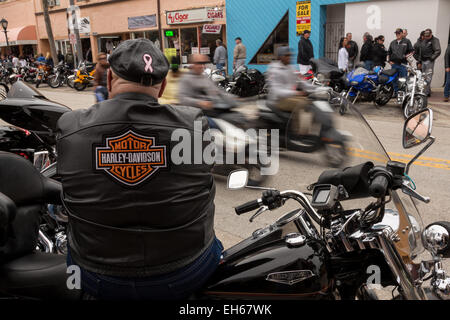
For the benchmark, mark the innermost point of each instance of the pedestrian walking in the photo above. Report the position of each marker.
(352, 49)
(379, 52)
(239, 54)
(220, 55)
(398, 49)
(431, 50)
(447, 74)
(101, 70)
(343, 57)
(305, 52)
(367, 51)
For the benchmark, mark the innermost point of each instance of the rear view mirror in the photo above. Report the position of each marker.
(417, 128)
(237, 179)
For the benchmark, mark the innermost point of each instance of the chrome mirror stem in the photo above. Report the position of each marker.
(432, 139)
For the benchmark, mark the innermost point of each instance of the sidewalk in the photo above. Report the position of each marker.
(436, 102)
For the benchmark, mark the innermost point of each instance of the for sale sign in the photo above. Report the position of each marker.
(303, 16)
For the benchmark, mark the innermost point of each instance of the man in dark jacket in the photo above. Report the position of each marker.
(305, 52)
(141, 210)
(447, 74)
(431, 50)
(367, 51)
(418, 50)
(352, 49)
(398, 49)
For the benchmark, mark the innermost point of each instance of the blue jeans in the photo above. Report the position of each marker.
(172, 286)
(447, 85)
(402, 73)
(101, 93)
(368, 65)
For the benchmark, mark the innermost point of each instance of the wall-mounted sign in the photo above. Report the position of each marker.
(215, 13)
(195, 50)
(212, 28)
(142, 22)
(205, 50)
(188, 16)
(84, 25)
(303, 16)
(169, 33)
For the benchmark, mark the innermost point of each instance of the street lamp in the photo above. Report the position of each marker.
(4, 23)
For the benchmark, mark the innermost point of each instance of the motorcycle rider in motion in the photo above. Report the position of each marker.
(196, 90)
(140, 227)
(282, 84)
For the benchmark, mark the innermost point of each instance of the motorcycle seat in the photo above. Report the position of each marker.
(37, 275)
(390, 72)
(17, 172)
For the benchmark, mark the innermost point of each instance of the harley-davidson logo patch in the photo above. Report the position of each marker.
(290, 277)
(130, 158)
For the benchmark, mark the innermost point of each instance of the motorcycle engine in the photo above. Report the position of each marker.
(61, 242)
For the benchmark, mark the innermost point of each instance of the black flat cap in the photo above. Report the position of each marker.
(138, 60)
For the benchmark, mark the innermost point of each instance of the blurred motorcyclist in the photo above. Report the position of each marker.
(282, 83)
(197, 90)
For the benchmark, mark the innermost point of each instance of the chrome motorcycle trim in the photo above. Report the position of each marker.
(295, 239)
(46, 242)
(304, 201)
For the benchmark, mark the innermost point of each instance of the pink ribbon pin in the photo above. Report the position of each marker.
(148, 62)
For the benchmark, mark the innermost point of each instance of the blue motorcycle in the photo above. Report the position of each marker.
(375, 85)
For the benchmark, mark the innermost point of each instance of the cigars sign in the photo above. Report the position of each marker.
(194, 15)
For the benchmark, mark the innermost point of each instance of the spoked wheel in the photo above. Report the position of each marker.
(53, 81)
(335, 154)
(386, 93)
(3, 91)
(420, 103)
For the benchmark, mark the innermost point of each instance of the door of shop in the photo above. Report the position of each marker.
(333, 33)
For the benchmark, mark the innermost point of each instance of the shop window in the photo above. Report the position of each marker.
(278, 38)
(189, 41)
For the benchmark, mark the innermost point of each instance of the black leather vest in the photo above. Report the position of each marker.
(133, 212)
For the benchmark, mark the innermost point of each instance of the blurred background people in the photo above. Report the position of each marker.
(379, 52)
(220, 55)
(398, 49)
(367, 51)
(352, 48)
(305, 52)
(343, 56)
(239, 54)
(431, 50)
(101, 70)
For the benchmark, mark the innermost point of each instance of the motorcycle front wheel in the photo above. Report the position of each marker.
(53, 81)
(420, 103)
(386, 93)
(79, 86)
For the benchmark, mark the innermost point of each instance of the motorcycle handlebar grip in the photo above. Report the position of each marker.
(379, 186)
(248, 206)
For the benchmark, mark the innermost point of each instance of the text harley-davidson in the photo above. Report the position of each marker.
(356, 219)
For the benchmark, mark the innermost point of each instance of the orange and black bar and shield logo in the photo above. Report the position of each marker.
(130, 158)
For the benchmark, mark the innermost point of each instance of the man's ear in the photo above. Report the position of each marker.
(108, 80)
(163, 86)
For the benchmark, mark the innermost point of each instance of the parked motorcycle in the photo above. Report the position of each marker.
(84, 75)
(327, 73)
(355, 220)
(289, 259)
(60, 74)
(376, 86)
(411, 93)
(43, 73)
(246, 83)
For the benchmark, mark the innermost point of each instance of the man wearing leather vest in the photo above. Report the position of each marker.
(140, 226)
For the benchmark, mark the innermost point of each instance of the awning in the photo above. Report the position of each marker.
(19, 36)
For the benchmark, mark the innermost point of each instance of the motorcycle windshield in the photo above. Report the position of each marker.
(361, 145)
(20, 90)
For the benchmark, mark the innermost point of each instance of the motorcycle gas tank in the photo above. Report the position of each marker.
(271, 269)
(27, 108)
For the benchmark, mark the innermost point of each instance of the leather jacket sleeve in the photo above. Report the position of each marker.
(436, 49)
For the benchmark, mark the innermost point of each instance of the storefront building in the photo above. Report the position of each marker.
(186, 26)
(21, 29)
(263, 31)
(193, 29)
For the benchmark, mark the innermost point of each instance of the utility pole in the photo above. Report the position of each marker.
(48, 26)
(159, 25)
(78, 47)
